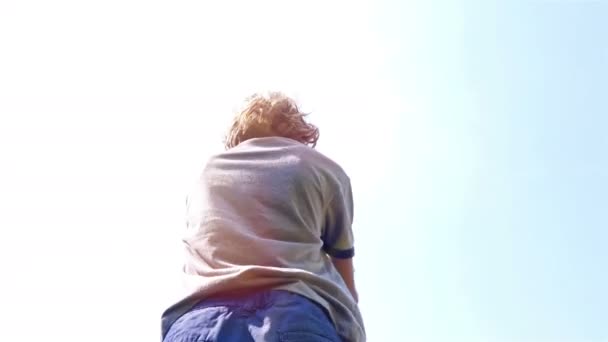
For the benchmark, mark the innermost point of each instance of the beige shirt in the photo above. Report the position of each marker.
(269, 213)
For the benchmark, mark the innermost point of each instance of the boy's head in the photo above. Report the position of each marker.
(271, 114)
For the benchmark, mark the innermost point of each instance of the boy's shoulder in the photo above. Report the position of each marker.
(325, 162)
(270, 148)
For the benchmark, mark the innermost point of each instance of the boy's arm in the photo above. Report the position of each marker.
(347, 271)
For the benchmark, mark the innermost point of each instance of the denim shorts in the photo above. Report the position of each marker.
(270, 316)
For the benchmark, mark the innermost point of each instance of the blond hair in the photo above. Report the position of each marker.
(271, 114)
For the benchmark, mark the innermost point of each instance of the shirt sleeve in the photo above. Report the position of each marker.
(338, 240)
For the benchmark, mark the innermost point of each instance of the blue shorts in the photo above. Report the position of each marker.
(269, 316)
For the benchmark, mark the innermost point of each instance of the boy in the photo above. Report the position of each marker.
(269, 240)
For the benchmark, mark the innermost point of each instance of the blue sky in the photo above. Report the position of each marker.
(509, 219)
(474, 133)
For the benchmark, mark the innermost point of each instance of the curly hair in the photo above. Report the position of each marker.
(271, 114)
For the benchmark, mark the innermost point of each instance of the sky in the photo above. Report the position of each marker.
(474, 133)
